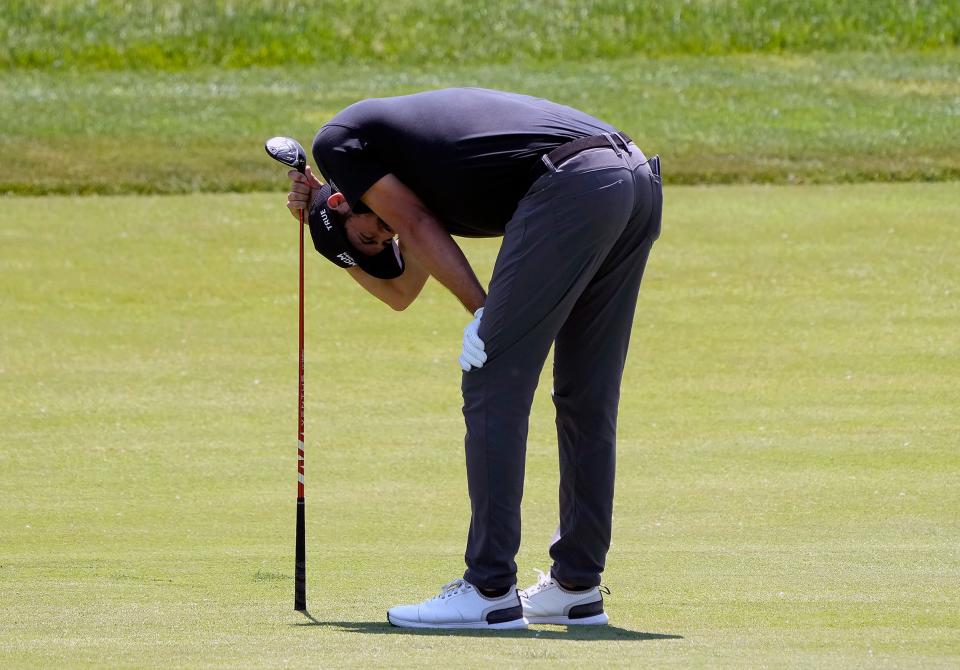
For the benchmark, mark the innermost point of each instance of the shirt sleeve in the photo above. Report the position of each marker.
(347, 161)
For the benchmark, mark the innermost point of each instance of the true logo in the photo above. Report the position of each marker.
(346, 258)
(326, 219)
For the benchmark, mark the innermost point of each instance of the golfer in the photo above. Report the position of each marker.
(578, 207)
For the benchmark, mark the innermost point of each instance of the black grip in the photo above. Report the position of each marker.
(300, 570)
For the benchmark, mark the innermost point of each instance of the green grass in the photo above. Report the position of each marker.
(787, 461)
(120, 34)
(746, 118)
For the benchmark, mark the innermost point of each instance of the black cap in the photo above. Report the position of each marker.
(331, 241)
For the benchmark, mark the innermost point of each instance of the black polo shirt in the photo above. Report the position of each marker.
(468, 153)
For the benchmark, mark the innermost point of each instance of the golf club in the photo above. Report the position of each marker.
(289, 152)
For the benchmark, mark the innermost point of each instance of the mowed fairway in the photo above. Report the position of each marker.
(788, 462)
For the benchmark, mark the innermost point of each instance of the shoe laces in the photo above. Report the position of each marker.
(452, 588)
(543, 581)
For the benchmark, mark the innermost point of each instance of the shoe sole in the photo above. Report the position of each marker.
(516, 624)
(595, 620)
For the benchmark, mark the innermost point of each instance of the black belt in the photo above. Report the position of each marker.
(566, 151)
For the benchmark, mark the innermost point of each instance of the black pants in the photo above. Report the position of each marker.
(567, 275)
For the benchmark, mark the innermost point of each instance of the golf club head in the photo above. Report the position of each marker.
(288, 151)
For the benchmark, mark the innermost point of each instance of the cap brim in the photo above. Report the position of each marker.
(388, 264)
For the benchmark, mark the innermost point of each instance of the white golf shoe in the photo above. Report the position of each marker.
(460, 605)
(548, 602)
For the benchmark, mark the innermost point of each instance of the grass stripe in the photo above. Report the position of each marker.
(746, 118)
(120, 34)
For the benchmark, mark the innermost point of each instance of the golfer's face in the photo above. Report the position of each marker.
(368, 233)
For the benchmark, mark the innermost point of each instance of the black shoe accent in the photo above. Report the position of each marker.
(565, 587)
(504, 615)
(494, 593)
(583, 611)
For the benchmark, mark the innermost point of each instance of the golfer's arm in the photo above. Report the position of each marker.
(423, 234)
(399, 292)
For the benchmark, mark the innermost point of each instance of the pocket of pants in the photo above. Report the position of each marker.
(656, 210)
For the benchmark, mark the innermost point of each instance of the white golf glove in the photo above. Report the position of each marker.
(472, 355)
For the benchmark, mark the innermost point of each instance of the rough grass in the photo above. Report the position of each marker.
(745, 118)
(787, 463)
(120, 34)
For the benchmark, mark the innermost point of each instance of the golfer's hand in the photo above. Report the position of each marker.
(473, 355)
(301, 191)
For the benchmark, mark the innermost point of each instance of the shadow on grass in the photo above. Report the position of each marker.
(551, 633)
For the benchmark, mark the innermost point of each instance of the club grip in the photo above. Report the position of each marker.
(300, 569)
